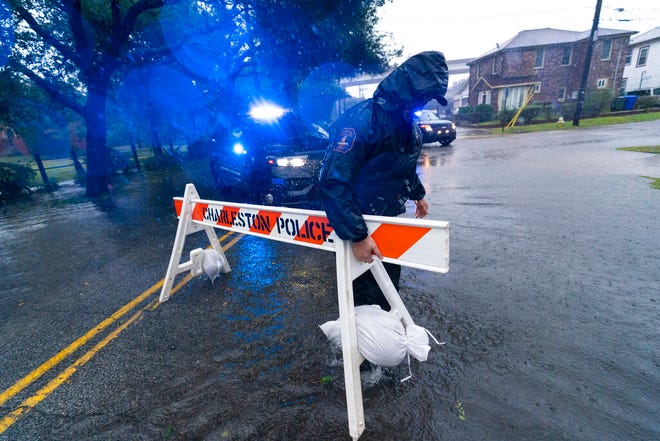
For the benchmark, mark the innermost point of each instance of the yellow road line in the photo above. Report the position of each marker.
(38, 372)
(9, 419)
(42, 393)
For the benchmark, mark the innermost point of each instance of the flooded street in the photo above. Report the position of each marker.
(549, 310)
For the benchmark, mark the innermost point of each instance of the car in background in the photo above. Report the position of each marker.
(272, 157)
(435, 129)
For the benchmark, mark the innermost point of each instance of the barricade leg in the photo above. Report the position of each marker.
(184, 228)
(390, 292)
(350, 353)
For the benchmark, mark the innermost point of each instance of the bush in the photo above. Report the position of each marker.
(597, 102)
(15, 180)
(474, 114)
(646, 102)
(466, 115)
(531, 112)
(504, 116)
(568, 111)
(485, 112)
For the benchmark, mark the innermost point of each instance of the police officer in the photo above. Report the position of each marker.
(370, 164)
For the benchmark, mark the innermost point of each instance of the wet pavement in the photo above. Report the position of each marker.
(549, 310)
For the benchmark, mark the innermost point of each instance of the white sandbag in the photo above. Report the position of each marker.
(332, 330)
(382, 338)
(213, 263)
(418, 342)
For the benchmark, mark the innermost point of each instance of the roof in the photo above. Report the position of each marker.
(653, 34)
(550, 36)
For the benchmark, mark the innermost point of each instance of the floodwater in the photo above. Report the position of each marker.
(549, 310)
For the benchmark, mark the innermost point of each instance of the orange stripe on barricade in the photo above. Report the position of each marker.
(228, 215)
(394, 240)
(315, 229)
(264, 222)
(178, 204)
(198, 211)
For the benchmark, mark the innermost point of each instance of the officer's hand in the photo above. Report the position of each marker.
(365, 250)
(421, 208)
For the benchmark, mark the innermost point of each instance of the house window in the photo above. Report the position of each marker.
(642, 56)
(566, 56)
(561, 96)
(537, 88)
(484, 97)
(602, 82)
(538, 61)
(606, 50)
(512, 97)
(622, 89)
(629, 55)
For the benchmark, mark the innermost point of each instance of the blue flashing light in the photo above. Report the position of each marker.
(238, 149)
(266, 112)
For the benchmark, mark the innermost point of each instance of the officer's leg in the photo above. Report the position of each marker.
(367, 292)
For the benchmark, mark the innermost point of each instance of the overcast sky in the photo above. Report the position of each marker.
(469, 28)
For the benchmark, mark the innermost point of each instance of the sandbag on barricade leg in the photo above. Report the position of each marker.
(212, 261)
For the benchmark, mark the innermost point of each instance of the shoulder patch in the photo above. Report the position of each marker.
(344, 141)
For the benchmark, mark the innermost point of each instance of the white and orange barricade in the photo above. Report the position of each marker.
(416, 243)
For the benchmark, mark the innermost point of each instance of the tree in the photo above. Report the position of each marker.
(25, 110)
(226, 52)
(71, 49)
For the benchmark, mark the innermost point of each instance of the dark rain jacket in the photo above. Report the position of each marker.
(370, 165)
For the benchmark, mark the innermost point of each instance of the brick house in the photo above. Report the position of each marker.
(549, 62)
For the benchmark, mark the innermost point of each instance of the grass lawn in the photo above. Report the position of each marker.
(655, 182)
(586, 122)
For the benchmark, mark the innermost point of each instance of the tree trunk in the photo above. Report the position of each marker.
(156, 145)
(80, 171)
(98, 158)
(134, 151)
(42, 169)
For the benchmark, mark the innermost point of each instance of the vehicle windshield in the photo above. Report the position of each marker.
(287, 130)
(427, 115)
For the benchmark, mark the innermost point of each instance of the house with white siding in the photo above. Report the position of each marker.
(641, 75)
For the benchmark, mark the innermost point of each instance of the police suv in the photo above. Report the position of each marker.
(272, 157)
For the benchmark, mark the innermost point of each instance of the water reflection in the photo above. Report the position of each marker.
(436, 157)
(256, 310)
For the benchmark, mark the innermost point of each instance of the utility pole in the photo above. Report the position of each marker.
(587, 64)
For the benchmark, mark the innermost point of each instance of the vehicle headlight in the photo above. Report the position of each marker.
(291, 161)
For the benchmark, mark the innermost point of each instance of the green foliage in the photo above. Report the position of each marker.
(474, 114)
(596, 102)
(30, 113)
(485, 112)
(531, 112)
(647, 102)
(567, 111)
(231, 52)
(506, 115)
(15, 180)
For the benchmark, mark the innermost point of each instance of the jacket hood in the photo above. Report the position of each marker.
(419, 79)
